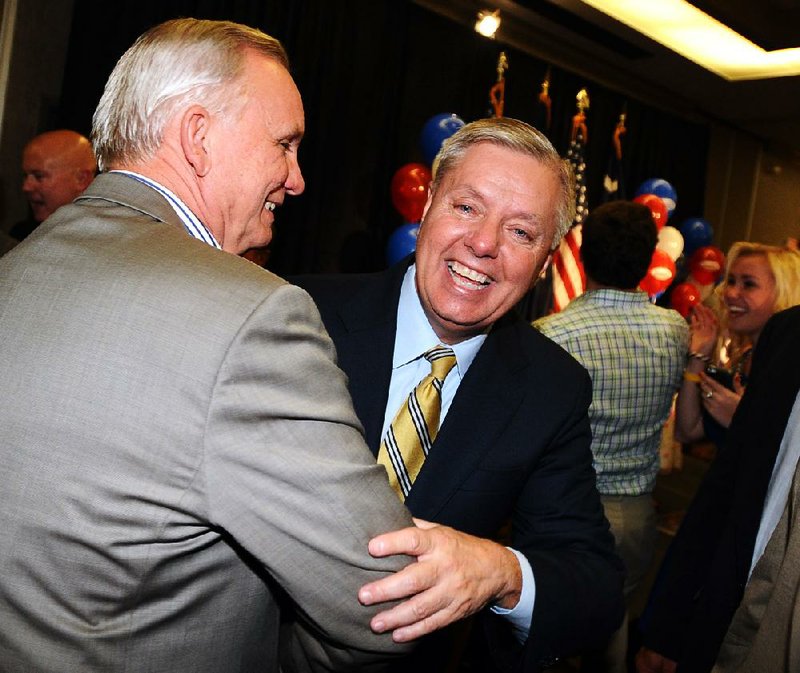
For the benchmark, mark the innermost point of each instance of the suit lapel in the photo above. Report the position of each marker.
(486, 399)
(770, 401)
(370, 320)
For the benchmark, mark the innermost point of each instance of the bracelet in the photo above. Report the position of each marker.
(690, 376)
(699, 356)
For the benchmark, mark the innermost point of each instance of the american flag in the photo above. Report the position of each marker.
(569, 280)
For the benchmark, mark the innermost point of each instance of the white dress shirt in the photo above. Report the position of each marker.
(413, 338)
(779, 483)
(190, 221)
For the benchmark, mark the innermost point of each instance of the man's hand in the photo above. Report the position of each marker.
(648, 661)
(455, 575)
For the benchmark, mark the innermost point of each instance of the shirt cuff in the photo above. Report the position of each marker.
(521, 614)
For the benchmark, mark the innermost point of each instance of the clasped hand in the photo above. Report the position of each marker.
(455, 575)
(718, 400)
(648, 661)
(703, 330)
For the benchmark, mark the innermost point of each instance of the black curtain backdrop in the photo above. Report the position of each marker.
(371, 72)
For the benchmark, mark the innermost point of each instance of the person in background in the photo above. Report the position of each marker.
(634, 352)
(759, 281)
(726, 597)
(508, 440)
(57, 166)
(178, 446)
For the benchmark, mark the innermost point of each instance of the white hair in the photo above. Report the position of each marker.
(169, 67)
(520, 137)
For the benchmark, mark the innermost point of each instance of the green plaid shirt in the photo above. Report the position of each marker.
(635, 353)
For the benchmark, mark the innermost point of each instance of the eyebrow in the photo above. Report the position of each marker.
(533, 218)
(296, 134)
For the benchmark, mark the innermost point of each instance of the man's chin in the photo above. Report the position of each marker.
(40, 215)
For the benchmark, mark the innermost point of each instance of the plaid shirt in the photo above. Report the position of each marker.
(635, 353)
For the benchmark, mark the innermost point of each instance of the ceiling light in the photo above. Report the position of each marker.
(695, 35)
(488, 22)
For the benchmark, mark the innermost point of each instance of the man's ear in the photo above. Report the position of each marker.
(195, 124)
(427, 204)
(84, 177)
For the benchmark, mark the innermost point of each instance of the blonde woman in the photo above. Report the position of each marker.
(759, 280)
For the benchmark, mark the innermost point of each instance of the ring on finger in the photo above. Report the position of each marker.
(709, 394)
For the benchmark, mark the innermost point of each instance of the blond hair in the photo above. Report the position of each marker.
(784, 265)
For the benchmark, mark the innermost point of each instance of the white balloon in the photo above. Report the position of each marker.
(670, 240)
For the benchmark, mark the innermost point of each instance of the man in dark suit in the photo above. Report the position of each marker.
(703, 577)
(513, 444)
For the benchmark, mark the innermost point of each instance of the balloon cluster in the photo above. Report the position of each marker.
(704, 268)
(691, 239)
(409, 187)
(660, 199)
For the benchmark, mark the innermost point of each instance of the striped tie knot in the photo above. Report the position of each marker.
(416, 424)
(442, 360)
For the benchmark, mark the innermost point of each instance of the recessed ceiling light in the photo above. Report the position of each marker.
(488, 22)
(697, 36)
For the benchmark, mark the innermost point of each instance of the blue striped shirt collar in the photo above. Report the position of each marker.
(415, 335)
(190, 221)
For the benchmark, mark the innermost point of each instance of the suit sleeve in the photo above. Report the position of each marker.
(290, 478)
(559, 525)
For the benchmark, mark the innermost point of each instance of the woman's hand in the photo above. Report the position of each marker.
(719, 401)
(703, 330)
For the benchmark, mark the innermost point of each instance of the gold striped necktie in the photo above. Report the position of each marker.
(409, 438)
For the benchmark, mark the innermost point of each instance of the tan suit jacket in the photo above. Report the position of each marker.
(176, 443)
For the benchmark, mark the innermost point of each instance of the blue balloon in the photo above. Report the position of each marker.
(435, 131)
(697, 233)
(662, 189)
(402, 242)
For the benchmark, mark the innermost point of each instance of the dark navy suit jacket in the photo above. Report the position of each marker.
(703, 576)
(514, 446)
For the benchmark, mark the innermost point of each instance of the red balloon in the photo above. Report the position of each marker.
(410, 190)
(659, 275)
(707, 264)
(656, 206)
(684, 297)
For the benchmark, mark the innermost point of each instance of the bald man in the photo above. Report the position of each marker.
(57, 167)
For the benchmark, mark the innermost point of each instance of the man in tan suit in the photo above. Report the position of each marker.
(177, 442)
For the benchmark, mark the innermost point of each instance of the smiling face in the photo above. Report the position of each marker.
(254, 155)
(749, 295)
(486, 232)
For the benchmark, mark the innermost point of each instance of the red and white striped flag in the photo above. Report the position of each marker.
(569, 280)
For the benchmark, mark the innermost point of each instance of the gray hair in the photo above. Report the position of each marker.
(520, 137)
(173, 65)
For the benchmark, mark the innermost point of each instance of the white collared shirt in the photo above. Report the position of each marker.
(779, 483)
(414, 336)
(190, 221)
